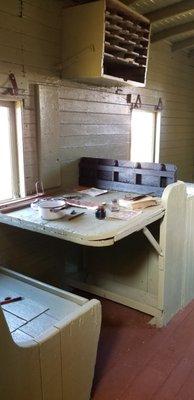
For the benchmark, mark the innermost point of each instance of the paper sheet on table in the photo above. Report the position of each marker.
(93, 191)
(88, 204)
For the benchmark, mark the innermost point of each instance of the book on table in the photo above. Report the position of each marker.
(138, 204)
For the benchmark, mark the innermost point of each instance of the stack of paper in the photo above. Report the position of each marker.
(138, 204)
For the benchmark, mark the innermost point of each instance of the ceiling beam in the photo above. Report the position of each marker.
(175, 30)
(191, 53)
(183, 44)
(128, 2)
(170, 11)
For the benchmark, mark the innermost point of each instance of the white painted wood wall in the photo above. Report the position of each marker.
(93, 121)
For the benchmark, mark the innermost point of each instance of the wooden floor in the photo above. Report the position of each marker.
(139, 362)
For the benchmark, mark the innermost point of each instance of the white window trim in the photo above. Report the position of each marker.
(20, 147)
(16, 140)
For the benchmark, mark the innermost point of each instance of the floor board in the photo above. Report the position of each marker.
(137, 361)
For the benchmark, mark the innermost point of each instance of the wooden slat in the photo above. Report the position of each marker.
(48, 5)
(48, 125)
(183, 44)
(173, 31)
(170, 11)
(29, 27)
(91, 94)
(93, 107)
(74, 152)
(48, 19)
(120, 175)
(11, 7)
(11, 55)
(129, 2)
(99, 119)
(95, 111)
(96, 130)
(94, 140)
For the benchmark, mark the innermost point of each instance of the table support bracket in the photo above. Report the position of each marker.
(153, 241)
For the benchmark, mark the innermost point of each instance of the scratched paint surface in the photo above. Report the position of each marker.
(85, 229)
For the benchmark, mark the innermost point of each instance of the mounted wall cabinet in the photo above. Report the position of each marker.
(105, 42)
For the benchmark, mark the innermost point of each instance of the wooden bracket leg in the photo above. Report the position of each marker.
(153, 241)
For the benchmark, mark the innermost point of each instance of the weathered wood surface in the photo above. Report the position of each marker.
(130, 271)
(47, 362)
(48, 136)
(99, 123)
(86, 229)
(188, 266)
(89, 53)
(82, 49)
(172, 242)
(134, 276)
(126, 175)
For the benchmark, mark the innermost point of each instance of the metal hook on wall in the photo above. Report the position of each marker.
(138, 102)
(159, 106)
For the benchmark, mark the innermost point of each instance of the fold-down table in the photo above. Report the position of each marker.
(86, 229)
(128, 268)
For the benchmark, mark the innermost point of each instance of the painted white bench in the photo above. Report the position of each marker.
(49, 351)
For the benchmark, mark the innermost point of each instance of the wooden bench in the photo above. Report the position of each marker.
(126, 175)
(48, 341)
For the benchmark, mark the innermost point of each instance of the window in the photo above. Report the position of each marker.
(10, 159)
(145, 135)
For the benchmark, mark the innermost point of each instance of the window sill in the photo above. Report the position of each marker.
(14, 204)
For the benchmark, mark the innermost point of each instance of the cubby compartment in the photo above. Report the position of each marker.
(105, 41)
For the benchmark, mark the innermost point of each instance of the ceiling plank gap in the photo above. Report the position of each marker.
(170, 11)
(173, 31)
(183, 44)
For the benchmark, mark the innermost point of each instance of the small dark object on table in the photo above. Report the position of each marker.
(9, 300)
(100, 212)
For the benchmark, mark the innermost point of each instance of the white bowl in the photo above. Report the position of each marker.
(51, 209)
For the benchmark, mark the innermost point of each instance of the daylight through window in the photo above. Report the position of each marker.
(145, 136)
(9, 182)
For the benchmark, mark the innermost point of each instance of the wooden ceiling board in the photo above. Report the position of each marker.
(174, 32)
(146, 6)
(183, 44)
(164, 15)
(181, 37)
(176, 24)
(173, 21)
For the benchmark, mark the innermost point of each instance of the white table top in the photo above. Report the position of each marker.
(86, 229)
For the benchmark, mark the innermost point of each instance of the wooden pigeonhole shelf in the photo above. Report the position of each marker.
(105, 41)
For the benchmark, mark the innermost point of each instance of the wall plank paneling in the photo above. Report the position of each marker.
(48, 135)
(169, 77)
(94, 121)
(30, 33)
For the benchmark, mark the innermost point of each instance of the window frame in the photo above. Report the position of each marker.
(17, 174)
